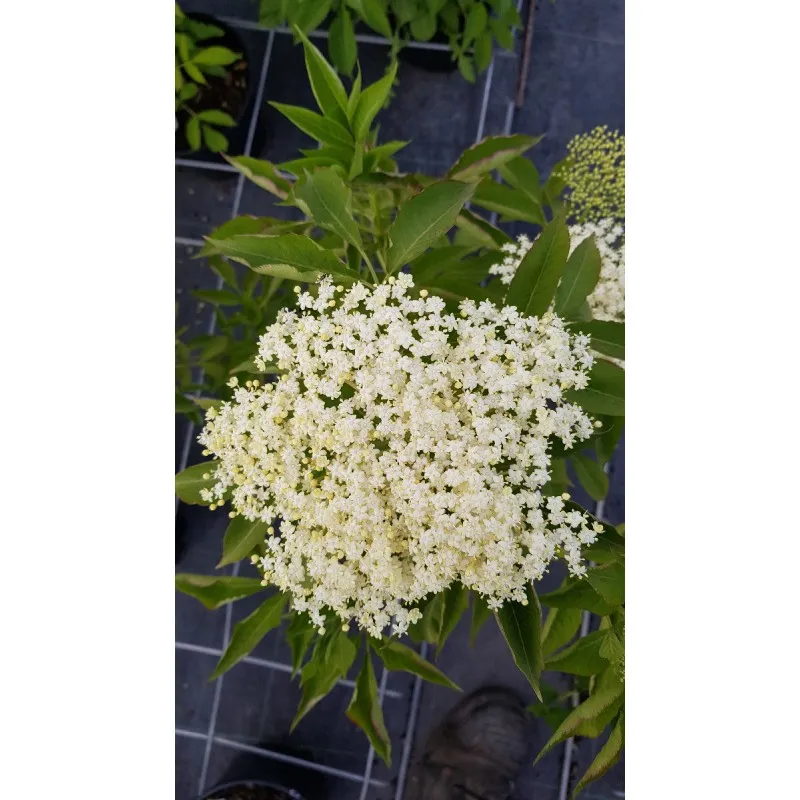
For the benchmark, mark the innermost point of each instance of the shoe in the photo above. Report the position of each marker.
(477, 751)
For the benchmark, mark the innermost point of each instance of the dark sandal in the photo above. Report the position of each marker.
(476, 752)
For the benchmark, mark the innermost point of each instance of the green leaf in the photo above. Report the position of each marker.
(559, 628)
(342, 42)
(510, 203)
(202, 30)
(245, 225)
(263, 174)
(189, 482)
(357, 164)
(397, 656)
(610, 433)
(591, 708)
(217, 297)
(577, 593)
(521, 625)
(226, 273)
(309, 15)
(299, 166)
(216, 56)
(316, 126)
(214, 591)
(488, 154)
(480, 613)
(591, 476)
(404, 10)
(455, 603)
(521, 173)
(373, 12)
(325, 83)
(608, 547)
(466, 68)
(607, 337)
(355, 95)
(427, 628)
(290, 255)
(477, 19)
(423, 27)
(424, 218)
(250, 631)
(338, 155)
(605, 393)
(217, 117)
(194, 73)
(480, 231)
(580, 277)
(187, 92)
(483, 50)
(271, 13)
(193, 133)
(608, 756)
(241, 538)
(214, 140)
(595, 726)
(581, 658)
(331, 660)
(374, 156)
(502, 33)
(537, 276)
(439, 260)
(611, 648)
(299, 634)
(371, 101)
(609, 582)
(327, 201)
(553, 188)
(365, 710)
(465, 279)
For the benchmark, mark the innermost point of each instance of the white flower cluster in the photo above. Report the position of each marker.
(607, 300)
(403, 448)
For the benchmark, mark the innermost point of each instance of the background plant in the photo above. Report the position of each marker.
(194, 64)
(470, 27)
(365, 221)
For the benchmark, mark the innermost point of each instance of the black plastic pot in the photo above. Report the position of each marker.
(251, 790)
(272, 777)
(237, 136)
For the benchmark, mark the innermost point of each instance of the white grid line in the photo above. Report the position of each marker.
(217, 695)
(244, 747)
(222, 166)
(361, 38)
(189, 242)
(277, 666)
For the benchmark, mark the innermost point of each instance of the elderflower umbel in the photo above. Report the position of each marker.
(403, 448)
(595, 175)
(607, 299)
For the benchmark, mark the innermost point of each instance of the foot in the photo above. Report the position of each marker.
(477, 751)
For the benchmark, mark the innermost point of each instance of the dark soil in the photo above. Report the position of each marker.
(228, 93)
